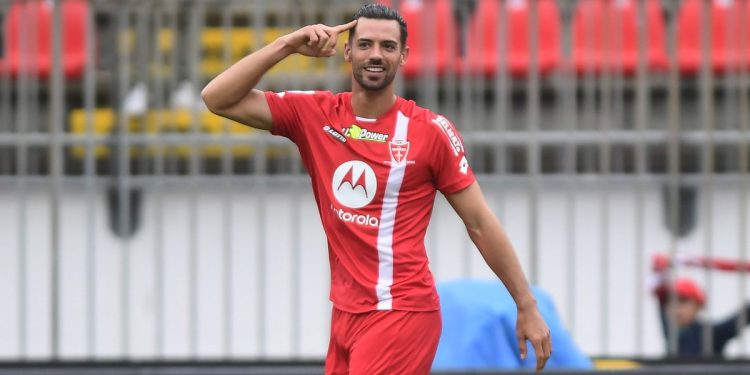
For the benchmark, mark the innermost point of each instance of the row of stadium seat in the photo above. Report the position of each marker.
(605, 37)
(155, 122)
(240, 41)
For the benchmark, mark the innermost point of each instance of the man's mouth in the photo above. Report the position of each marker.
(375, 69)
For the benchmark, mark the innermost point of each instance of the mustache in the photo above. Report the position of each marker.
(374, 63)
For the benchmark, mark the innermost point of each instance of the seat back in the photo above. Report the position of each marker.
(28, 38)
(432, 36)
(726, 17)
(606, 36)
(482, 55)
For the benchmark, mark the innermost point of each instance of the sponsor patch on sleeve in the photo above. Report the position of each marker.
(449, 132)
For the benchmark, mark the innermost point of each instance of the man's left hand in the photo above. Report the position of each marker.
(531, 326)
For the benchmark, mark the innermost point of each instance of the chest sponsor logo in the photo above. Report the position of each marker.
(362, 134)
(359, 219)
(354, 184)
(446, 127)
(399, 150)
(334, 133)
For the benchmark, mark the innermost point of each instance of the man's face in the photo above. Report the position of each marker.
(375, 52)
(685, 311)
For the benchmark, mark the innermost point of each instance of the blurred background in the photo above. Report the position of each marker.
(136, 225)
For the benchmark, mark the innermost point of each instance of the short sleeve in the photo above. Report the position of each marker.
(285, 109)
(451, 171)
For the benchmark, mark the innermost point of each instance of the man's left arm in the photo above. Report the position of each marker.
(488, 235)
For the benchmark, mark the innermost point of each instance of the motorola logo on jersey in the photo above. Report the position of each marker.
(349, 217)
(354, 184)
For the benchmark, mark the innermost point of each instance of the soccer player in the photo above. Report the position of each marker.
(376, 161)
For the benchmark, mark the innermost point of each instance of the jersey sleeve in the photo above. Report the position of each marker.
(287, 108)
(450, 170)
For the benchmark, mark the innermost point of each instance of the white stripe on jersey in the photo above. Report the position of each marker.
(387, 221)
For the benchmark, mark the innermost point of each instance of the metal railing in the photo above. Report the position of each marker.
(561, 154)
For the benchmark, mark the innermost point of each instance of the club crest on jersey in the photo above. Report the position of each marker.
(362, 134)
(399, 150)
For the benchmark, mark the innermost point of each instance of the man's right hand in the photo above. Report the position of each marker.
(232, 95)
(316, 40)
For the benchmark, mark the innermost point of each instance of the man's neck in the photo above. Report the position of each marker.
(372, 104)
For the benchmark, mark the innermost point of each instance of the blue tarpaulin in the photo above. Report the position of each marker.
(479, 330)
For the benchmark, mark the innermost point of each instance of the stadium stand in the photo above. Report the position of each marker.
(479, 28)
(18, 56)
(727, 21)
(606, 36)
(483, 37)
(568, 146)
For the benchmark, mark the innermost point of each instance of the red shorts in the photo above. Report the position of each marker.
(383, 342)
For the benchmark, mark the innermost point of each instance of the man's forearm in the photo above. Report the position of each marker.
(234, 83)
(500, 256)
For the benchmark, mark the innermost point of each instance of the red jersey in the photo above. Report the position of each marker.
(374, 181)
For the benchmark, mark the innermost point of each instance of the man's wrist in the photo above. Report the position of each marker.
(526, 303)
(284, 45)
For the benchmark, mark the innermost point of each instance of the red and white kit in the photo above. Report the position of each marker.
(374, 181)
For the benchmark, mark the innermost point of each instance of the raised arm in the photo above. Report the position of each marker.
(488, 235)
(729, 327)
(232, 93)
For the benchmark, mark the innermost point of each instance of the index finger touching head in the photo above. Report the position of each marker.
(346, 26)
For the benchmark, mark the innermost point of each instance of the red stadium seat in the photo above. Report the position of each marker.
(727, 24)
(484, 32)
(605, 36)
(18, 58)
(436, 49)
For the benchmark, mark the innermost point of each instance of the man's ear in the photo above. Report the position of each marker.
(347, 52)
(404, 56)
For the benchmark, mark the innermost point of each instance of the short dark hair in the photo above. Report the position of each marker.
(381, 12)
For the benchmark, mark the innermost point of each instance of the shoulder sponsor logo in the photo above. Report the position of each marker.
(362, 134)
(447, 129)
(354, 184)
(334, 133)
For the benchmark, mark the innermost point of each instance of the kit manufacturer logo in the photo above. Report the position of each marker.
(334, 133)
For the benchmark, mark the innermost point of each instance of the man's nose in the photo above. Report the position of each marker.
(376, 54)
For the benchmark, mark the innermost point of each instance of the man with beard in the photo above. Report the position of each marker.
(376, 161)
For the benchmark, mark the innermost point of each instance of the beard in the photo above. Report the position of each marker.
(369, 85)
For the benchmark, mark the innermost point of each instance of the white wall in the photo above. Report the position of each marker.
(258, 220)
